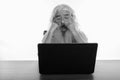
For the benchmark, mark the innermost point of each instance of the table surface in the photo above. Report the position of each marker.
(28, 70)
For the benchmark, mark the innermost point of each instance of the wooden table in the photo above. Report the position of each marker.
(28, 70)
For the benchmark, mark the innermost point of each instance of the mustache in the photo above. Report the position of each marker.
(63, 27)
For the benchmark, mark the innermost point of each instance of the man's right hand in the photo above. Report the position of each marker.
(53, 27)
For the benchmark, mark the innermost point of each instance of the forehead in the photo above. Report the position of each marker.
(64, 12)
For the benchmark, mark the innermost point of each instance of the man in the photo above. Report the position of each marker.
(64, 29)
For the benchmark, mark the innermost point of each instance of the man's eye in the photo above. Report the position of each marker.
(57, 16)
(66, 15)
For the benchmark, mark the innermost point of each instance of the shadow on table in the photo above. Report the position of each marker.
(67, 77)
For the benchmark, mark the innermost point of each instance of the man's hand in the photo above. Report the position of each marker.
(72, 28)
(53, 27)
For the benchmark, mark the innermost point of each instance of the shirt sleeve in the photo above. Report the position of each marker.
(83, 36)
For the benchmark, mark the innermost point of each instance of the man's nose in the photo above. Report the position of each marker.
(62, 20)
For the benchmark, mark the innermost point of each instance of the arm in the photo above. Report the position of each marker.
(48, 36)
(83, 36)
(78, 35)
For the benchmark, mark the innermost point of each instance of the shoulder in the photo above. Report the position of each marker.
(83, 35)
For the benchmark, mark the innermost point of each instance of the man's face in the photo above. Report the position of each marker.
(63, 17)
(66, 17)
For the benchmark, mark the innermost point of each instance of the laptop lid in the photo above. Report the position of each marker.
(67, 58)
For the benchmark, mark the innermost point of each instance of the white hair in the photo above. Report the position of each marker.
(60, 7)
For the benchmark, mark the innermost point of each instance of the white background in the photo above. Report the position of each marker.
(22, 23)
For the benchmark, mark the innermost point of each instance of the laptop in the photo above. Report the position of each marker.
(67, 58)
